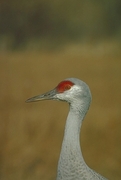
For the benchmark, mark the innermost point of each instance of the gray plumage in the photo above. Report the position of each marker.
(71, 165)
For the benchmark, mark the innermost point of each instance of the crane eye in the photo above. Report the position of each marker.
(64, 86)
(67, 87)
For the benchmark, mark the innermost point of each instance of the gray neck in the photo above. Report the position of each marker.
(71, 159)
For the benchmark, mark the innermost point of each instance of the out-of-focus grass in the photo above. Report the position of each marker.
(31, 134)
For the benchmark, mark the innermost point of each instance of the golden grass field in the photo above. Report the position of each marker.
(31, 134)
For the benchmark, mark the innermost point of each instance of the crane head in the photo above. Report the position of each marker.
(68, 90)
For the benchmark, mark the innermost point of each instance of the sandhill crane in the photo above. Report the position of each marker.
(71, 165)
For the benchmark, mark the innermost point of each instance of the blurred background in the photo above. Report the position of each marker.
(43, 42)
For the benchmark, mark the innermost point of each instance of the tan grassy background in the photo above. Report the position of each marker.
(31, 134)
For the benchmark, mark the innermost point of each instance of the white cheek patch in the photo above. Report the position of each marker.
(74, 89)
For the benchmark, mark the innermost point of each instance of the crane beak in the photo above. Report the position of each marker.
(46, 96)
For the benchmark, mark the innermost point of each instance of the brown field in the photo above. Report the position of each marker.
(31, 134)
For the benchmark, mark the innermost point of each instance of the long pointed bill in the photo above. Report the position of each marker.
(46, 96)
